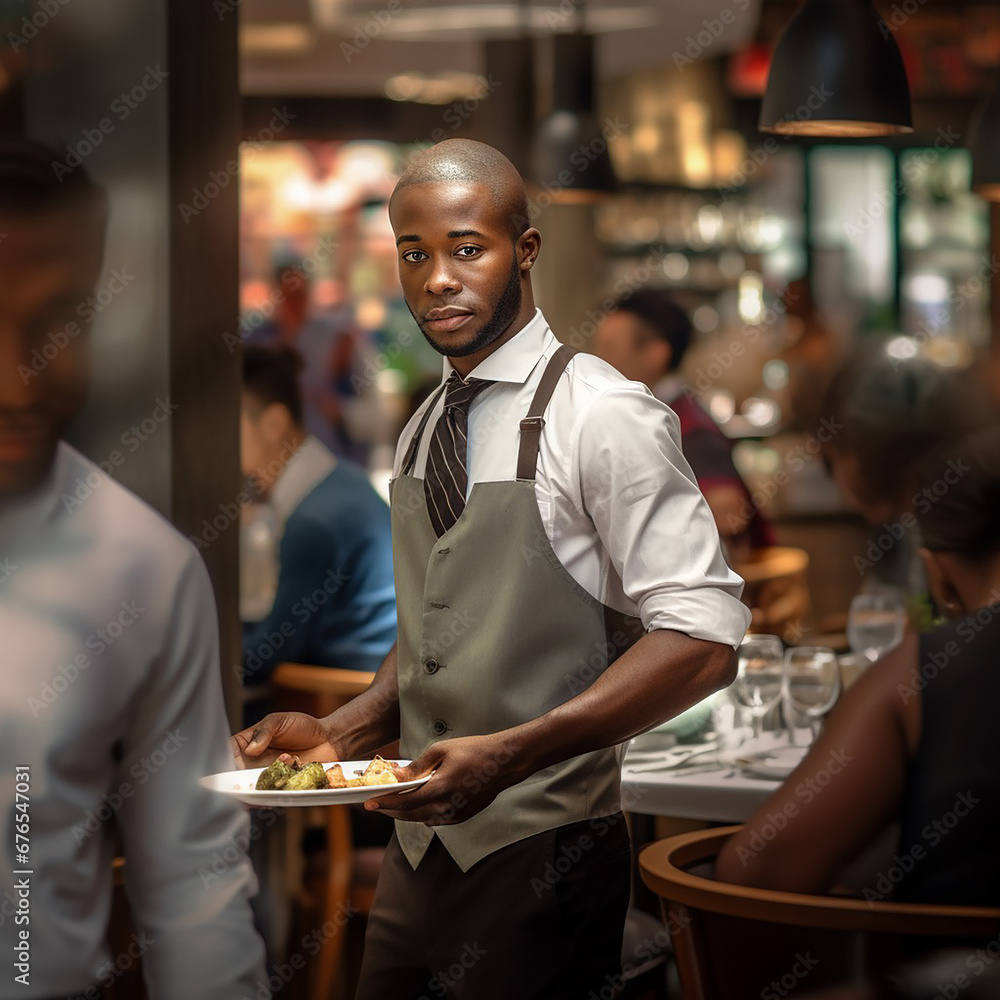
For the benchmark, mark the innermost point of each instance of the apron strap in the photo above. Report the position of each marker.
(411, 451)
(532, 424)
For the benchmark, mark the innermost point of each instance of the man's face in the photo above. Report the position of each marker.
(458, 264)
(621, 341)
(49, 265)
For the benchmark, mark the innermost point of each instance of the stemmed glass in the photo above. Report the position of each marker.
(812, 684)
(759, 678)
(875, 624)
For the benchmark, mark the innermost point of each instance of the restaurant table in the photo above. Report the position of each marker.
(723, 795)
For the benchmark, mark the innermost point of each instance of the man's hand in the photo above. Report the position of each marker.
(468, 774)
(283, 732)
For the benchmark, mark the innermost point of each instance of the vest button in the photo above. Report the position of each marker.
(439, 727)
(431, 666)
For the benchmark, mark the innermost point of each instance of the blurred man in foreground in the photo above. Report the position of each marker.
(111, 701)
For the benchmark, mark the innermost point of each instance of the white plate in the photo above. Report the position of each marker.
(240, 785)
(774, 765)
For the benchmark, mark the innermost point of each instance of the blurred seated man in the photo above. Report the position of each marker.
(915, 739)
(646, 338)
(335, 603)
(111, 701)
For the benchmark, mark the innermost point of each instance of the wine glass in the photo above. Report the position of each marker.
(875, 624)
(759, 678)
(812, 683)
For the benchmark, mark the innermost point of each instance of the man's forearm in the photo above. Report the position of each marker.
(663, 674)
(372, 719)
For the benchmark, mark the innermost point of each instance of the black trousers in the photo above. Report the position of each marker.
(541, 919)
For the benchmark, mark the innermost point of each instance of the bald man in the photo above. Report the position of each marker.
(560, 589)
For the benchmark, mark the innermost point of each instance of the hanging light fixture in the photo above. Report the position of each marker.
(984, 144)
(836, 71)
(571, 158)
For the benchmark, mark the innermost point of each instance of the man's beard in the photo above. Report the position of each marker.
(507, 308)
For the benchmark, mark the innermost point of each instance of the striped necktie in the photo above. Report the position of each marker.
(446, 477)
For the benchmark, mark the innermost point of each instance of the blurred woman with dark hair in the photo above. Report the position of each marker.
(915, 740)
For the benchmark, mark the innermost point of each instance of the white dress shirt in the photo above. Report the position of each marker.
(616, 495)
(111, 696)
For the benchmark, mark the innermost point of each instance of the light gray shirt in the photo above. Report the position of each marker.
(111, 702)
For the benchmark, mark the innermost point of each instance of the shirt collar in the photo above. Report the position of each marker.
(515, 360)
(310, 464)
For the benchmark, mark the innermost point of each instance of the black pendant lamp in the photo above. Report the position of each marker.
(571, 159)
(984, 144)
(836, 71)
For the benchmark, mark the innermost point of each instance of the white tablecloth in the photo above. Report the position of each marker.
(718, 796)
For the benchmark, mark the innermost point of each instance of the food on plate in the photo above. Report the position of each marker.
(275, 777)
(308, 776)
(287, 774)
(378, 772)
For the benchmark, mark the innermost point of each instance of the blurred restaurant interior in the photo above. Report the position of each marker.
(249, 148)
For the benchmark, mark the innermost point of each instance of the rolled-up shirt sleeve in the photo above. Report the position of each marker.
(656, 526)
(186, 871)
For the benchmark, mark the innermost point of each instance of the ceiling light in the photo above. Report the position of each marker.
(836, 71)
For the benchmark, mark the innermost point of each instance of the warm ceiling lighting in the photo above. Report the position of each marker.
(442, 88)
(430, 22)
(275, 39)
(836, 71)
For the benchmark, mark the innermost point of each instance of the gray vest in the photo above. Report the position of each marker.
(492, 633)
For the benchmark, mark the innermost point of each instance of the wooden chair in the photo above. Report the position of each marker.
(732, 942)
(776, 590)
(350, 876)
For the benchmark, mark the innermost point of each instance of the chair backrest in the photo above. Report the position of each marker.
(775, 585)
(299, 687)
(732, 941)
(319, 691)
